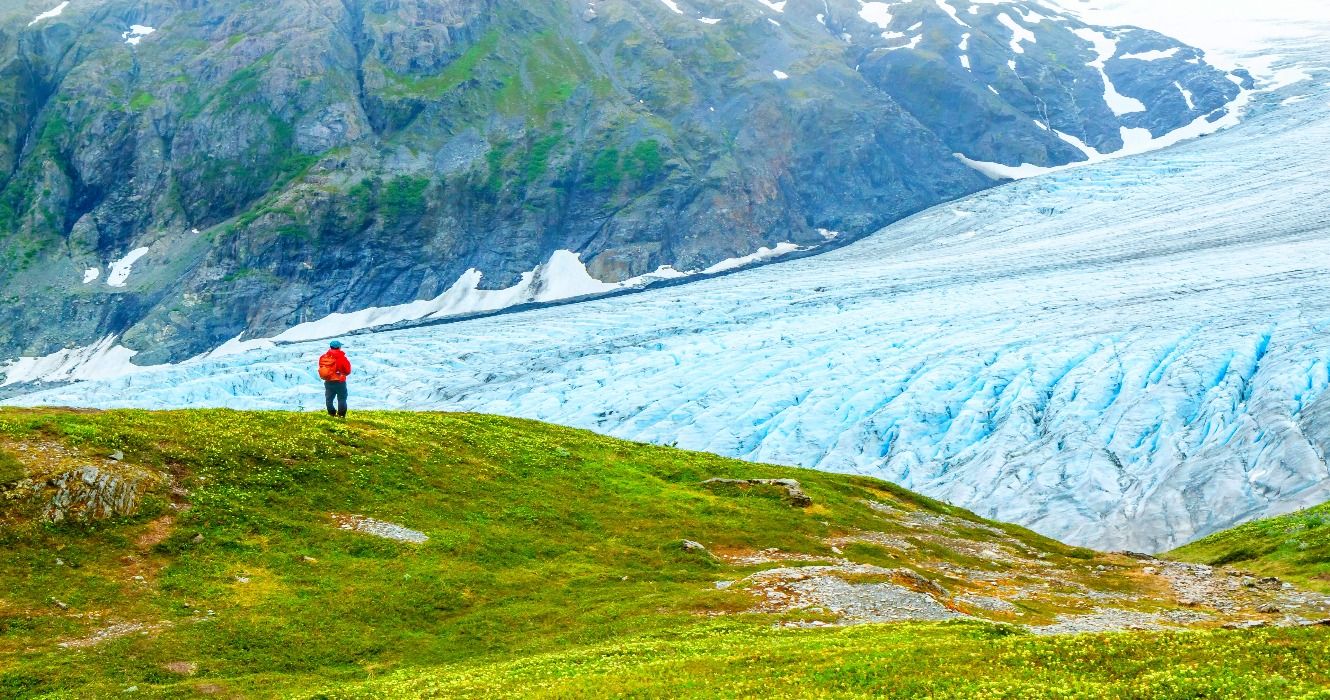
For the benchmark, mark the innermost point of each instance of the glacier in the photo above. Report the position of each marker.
(1130, 354)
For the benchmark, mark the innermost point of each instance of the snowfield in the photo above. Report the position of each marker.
(1130, 354)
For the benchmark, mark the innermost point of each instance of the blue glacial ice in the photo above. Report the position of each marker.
(1126, 355)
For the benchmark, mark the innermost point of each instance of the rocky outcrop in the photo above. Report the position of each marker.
(90, 493)
(792, 491)
(270, 164)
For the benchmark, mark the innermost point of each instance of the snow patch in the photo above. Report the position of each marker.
(912, 44)
(708, 20)
(102, 359)
(1283, 78)
(1106, 47)
(1186, 95)
(878, 13)
(951, 12)
(1135, 142)
(780, 75)
(1019, 34)
(91, 274)
(1030, 16)
(51, 13)
(762, 254)
(136, 34)
(120, 269)
(775, 6)
(563, 277)
(1151, 55)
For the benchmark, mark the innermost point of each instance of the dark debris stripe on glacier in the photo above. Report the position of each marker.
(1127, 355)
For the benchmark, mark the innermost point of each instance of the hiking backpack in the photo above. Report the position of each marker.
(328, 369)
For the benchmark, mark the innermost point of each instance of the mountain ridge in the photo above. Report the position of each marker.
(272, 182)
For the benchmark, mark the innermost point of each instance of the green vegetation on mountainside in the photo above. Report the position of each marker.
(1294, 546)
(554, 566)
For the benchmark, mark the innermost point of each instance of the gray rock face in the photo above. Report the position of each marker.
(89, 493)
(286, 160)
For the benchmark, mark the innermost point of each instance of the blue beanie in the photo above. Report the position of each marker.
(335, 344)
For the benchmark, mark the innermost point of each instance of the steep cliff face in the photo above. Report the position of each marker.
(178, 173)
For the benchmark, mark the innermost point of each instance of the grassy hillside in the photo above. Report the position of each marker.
(1295, 547)
(207, 553)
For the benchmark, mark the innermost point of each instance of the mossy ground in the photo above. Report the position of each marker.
(553, 568)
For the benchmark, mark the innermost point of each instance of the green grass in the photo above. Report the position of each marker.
(142, 101)
(404, 197)
(11, 469)
(455, 73)
(553, 568)
(1294, 547)
(960, 661)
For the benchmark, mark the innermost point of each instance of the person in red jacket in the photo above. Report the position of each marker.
(334, 369)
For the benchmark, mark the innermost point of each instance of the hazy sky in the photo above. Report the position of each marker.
(1228, 28)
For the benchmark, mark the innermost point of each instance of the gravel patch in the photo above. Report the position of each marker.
(380, 528)
(825, 588)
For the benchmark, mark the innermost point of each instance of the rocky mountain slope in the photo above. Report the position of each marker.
(176, 174)
(1295, 546)
(287, 555)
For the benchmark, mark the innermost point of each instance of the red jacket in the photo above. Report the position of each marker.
(341, 365)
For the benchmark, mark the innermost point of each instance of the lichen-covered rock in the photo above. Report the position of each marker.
(90, 493)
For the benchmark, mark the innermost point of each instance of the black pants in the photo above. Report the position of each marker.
(335, 390)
